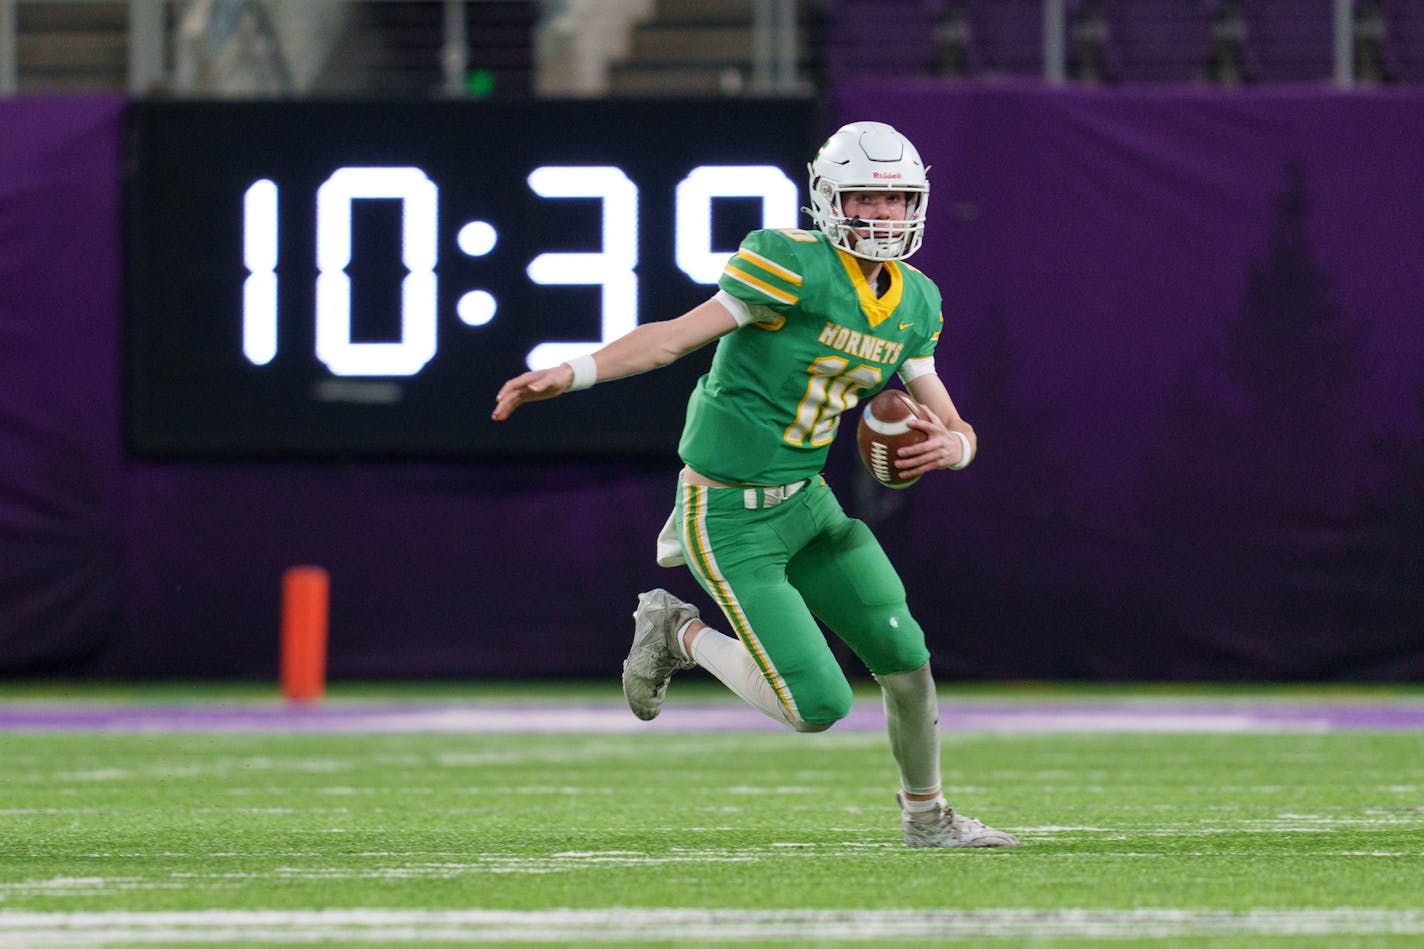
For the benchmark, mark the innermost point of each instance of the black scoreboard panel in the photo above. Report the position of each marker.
(351, 278)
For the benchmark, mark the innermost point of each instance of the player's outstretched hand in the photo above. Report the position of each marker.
(531, 387)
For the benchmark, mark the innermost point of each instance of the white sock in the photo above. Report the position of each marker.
(912, 720)
(678, 642)
(728, 660)
(924, 807)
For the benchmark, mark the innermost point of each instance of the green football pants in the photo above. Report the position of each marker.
(776, 565)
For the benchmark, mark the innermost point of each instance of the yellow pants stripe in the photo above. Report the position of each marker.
(702, 560)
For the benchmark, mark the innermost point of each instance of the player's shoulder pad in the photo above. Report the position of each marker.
(922, 284)
(771, 266)
(783, 245)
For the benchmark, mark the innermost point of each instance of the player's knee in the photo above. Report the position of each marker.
(824, 707)
(903, 651)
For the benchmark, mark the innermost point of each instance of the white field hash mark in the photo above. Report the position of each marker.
(43, 930)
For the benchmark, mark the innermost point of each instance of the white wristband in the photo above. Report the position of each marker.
(968, 455)
(585, 372)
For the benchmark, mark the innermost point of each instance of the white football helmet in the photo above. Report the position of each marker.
(869, 156)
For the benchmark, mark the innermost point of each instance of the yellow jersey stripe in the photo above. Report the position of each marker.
(758, 284)
(770, 266)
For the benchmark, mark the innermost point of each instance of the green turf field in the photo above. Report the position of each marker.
(1230, 840)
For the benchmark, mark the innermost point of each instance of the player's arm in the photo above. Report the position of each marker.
(648, 346)
(949, 435)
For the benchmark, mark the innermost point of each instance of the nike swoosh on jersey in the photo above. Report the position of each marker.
(905, 326)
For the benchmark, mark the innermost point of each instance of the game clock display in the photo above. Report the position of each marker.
(358, 278)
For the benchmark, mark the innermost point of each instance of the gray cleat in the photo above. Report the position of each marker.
(944, 828)
(654, 657)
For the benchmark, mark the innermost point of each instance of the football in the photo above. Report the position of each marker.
(884, 429)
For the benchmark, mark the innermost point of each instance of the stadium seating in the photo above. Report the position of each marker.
(701, 48)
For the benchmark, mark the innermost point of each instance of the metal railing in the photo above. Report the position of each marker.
(1055, 31)
(774, 43)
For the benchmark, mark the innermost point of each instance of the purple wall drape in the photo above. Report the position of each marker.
(61, 470)
(1185, 323)
(1187, 326)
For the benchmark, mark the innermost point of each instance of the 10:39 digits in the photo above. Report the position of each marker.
(612, 266)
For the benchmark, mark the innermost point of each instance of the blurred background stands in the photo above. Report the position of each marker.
(408, 47)
(686, 48)
(1227, 42)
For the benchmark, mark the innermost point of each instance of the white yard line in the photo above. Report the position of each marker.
(43, 930)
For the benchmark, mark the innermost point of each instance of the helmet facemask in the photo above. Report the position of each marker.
(869, 156)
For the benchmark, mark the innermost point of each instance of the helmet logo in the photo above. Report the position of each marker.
(886, 174)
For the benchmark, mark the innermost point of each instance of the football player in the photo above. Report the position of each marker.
(807, 323)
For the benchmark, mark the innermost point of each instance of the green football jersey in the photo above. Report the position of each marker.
(768, 409)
